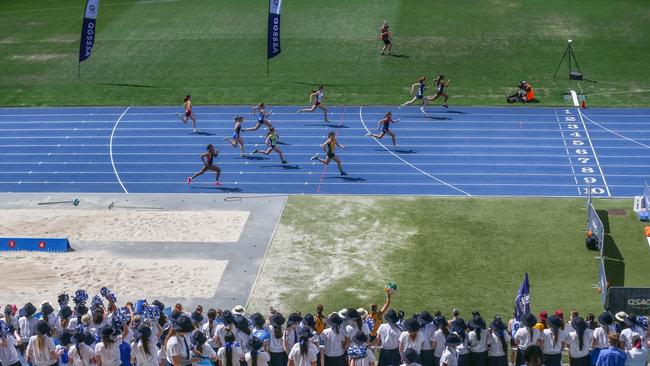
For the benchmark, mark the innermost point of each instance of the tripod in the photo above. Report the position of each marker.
(571, 58)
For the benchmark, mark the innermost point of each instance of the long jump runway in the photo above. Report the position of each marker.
(460, 151)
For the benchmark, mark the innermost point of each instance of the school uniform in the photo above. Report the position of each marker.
(389, 335)
(303, 360)
(207, 352)
(463, 352)
(478, 348)
(27, 327)
(41, 357)
(366, 361)
(628, 333)
(525, 340)
(141, 357)
(406, 341)
(552, 347)
(333, 347)
(427, 353)
(242, 338)
(210, 334)
(601, 336)
(353, 328)
(81, 354)
(496, 355)
(8, 353)
(449, 356)
(263, 358)
(179, 347)
(291, 336)
(109, 354)
(580, 356)
(237, 355)
(440, 340)
(276, 349)
(222, 329)
(636, 357)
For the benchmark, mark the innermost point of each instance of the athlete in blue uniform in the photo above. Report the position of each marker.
(316, 99)
(384, 125)
(208, 164)
(417, 88)
(262, 117)
(441, 84)
(236, 136)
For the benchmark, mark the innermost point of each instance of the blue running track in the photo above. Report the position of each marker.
(460, 151)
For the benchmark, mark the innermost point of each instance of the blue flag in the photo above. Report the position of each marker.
(88, 30)
(273, 43)
(522, 301)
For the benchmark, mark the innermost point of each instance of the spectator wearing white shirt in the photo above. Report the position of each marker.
(107, 352)
(230, 354)
(355, 323)
(637, 355)
(633, 329)
(8, 342)
(27, 322)
(410, 358)
(602, 333)
(459, 327)
(200, 349)
(334, 341)
(81, 354)
(243, 334)
(303, 352)
(143, 351)
(228, 325)
(411, 337)
(439, 341)
(177, 345)
(291, 332)
(63, 348)
(526, 336)
(210, 329)
(65, 314)
(41, 349)
(276, 343)
(498, 351)
(388, 338)
(478, 340)
(580, 339)
(450, 354)
(358, 352)
(554, 339)
(427, 328)
(258, 354)
(9, 316)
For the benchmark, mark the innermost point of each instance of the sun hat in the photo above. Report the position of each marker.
(43, 328)
(257, 319)
(227, 317)
(79, 337)
(411, 325)
(343, 313)
(440, 321)
(196, 317)
(46, 308)
(555, 321)
(29, 309)
(458, 324)
(241, 323)
(362, 312)
(65, 338)
(142, 331)
(620, 316)
(334, 319)
(498, 325)
(477, 322)
(255, 343)
(309, 320)
(605, 318)
(453, 340)
(391, 316)
(107, 331)
(294, 318)
(425, 318)
(360, 337)
(579, 323)
(631, 320)
(529, 320)
(352, 314)
(81, 309)
(199, 338)
(410, 355)
(183, 324)
(277, 319)
(65, 312)
(238, 309)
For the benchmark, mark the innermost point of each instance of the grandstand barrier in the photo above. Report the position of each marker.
(58, 245)
(632, 300)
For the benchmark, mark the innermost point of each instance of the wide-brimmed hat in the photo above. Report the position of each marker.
(199, 338)
(107, 331)
(363, 313)
(579, 323)
(554, 321)
(334, 319)
(411, 325)
(227, 317)
(43, 328)
(477, 322)
(529, 320)
(241, 322)
(81, 309)
(458, 324)
(79, 337)
(410, 355)
(196, 317)
(498, 325)
(65, 312)
(277, 319)
(183, 324)
(238, 309)
(29, 309)
(453, 340)
(46, 308)
(257, 319)
(620, 316)
(631, 320)
(255, 343)
(309, 320)
(352, 314)
(425, 318)
(606, 318)
(65, 338)
(343, 313)
(360, 337)
(294, 318)
(143, 331)
(391, 316)
(440, 320)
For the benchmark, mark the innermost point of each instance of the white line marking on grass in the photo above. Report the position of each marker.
(110, 149)
(406, 162)
(616, 133)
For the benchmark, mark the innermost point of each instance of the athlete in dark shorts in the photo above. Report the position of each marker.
(208, 164)
(384, 125)
(441, 84)
(262, 119)
(418, 89)
(385, 37)
(316, 98)
(236, 135)
(329, 146)
(271, 141)
(188, 114)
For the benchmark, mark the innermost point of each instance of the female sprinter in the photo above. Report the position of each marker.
(419, 94)
(208, 164)
(271, 141)
(384, 124)
(441, 84)
(261, 118)
(316, 98)
(187, 106)
(385, 37)
(236, 135)
(328, 146)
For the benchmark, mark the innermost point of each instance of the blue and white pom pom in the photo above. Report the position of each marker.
(4, 328)
(151, 313)
(63, 300)
(97, 302)
(108, 294)
(80, 297)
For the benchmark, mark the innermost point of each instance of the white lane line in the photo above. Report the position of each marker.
(406, 162)
(600, 169)
(110, 149)
(614, 132)
(241, 172)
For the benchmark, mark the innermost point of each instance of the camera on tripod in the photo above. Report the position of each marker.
(574, 74)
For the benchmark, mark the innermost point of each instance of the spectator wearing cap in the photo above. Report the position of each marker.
(231, 353)
(458, 326)
(427, 328)
(526, 336)
(410, 358)
(450, 354)
(228, 325)
(498, 345)
(177, 343)
(554, 339)
(612, 356)
(9, 340)
(257, 354)
(81, 354)
(637, 355)
(358, 352)
(439, 340)
(376, 316)
(411, 337)
(276, 342)
(27, 322)
(41, 350)
(478, 340)
(560, 313)
(334, 342)
(601, 334)
(634, 328)
(209, 328)
(144, 352)
(355, 323)
(291, 332)
(580, 340)
(303, 352)
(388, 338)
(541, 323)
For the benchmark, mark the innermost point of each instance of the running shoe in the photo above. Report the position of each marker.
(178, 115)
(400, 106)
(217, 183)
(422, 110)
(446, 106)
(189, 180)
(344, 173)
(254, 152)
(314, 157)
(284, 162)
(194, 130)
(226, 138)
(369, 134)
